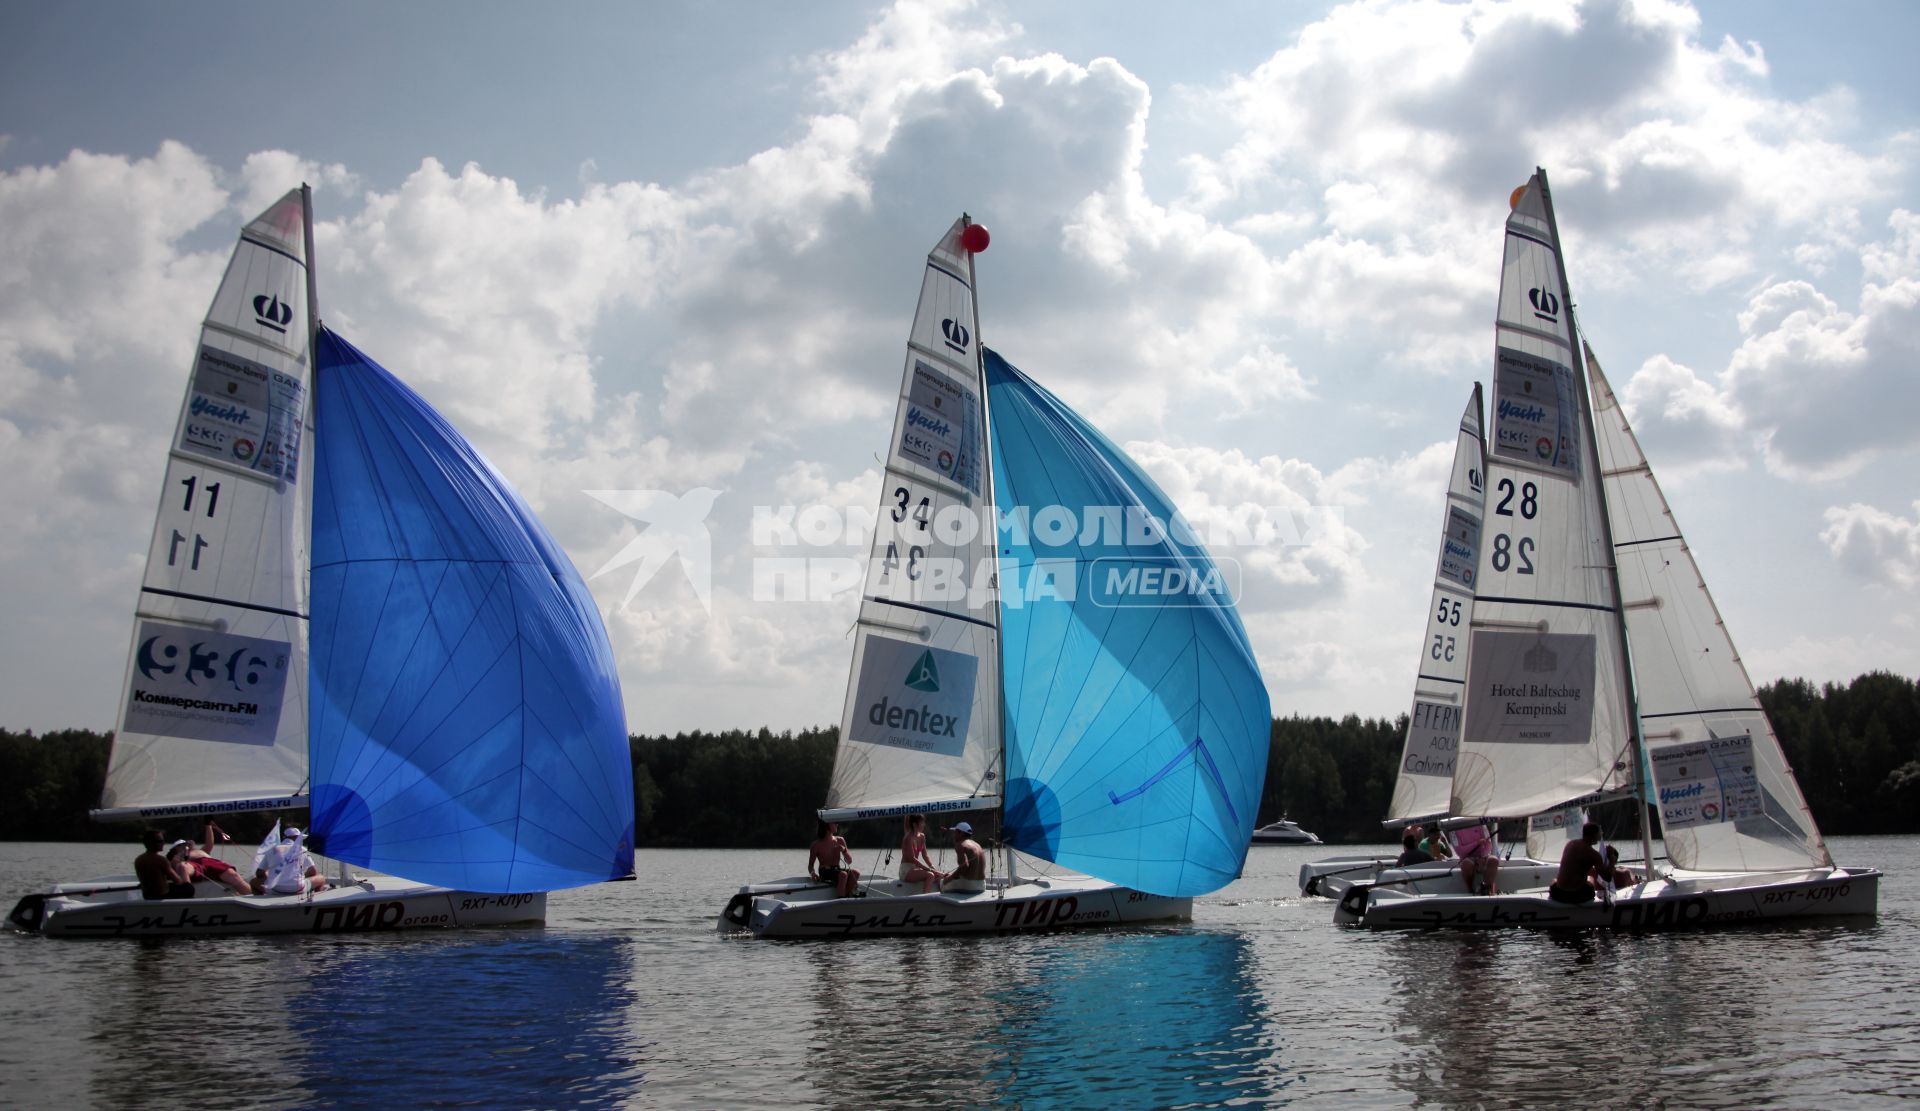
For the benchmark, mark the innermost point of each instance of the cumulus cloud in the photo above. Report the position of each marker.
(1324, 269)
(1876, 545)
(1811, 383)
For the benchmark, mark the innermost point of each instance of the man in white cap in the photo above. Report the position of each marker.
(970, 870)
(286, 868)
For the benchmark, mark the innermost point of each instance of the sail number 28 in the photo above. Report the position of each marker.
(1505, 552)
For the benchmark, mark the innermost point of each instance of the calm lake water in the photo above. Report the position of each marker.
(629, 997)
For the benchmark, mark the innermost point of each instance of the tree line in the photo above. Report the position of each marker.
(1855, 748)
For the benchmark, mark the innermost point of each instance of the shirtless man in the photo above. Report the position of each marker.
(827, 858)
(1578, 862)
(159, 877)
(970, 867)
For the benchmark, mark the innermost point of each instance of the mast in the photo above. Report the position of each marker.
(313, 295)
(1592, 454)
(992, 526)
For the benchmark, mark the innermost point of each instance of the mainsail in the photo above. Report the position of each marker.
(467, 722)
(1728, 799)
(1548, 713)
(1433, 727)
(213, 712)
(921, 726)
(1138, 724)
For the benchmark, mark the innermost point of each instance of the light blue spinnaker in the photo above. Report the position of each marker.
(1137, 723)
(466, 727)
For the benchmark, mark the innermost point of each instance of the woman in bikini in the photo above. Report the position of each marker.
(915, 865)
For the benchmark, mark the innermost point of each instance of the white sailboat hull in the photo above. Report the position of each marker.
(113, 908)
(1334, 877)
(800, 907)
(1686, 900)
(1283, 833)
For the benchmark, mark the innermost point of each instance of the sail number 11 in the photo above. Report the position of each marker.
(212, 491)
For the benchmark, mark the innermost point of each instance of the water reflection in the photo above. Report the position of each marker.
(1120, 1019)
(496, 1019)
(1695, 1019)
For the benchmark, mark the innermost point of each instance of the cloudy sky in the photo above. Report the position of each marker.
(676, 247)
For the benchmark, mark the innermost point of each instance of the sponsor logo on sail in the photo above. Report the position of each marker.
(925, 675)
(206, 408)
(1510, 410)
(957, 335)
(243, 449)
(271, 312)
(919, 419)
(1546, 306)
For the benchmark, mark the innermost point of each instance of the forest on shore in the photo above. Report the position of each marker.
(1855, 748)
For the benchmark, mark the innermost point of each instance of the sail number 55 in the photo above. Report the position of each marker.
(1507, 553)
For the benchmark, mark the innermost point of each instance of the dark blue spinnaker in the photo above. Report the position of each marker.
(1137, 723)
(466, 727)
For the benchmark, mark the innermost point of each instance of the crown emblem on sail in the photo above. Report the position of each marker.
(924, 676)
(271, 312)
(1540, 658)
(1545, 305)
(956, 333)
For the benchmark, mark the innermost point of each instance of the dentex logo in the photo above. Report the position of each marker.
(924, 676)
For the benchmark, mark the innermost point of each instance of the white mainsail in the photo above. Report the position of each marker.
(213, 712)
(1422, 789)
(1729, 801)
(921, 728)
(1548, 712)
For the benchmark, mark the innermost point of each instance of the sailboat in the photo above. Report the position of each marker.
(1422, 792)
(1041, 640)
(346, 608)
(1597, 664)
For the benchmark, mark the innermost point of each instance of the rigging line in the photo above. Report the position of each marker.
(1203, 758)
(405, 723)
(580, 729)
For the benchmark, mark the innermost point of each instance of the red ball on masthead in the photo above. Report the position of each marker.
(975, 238)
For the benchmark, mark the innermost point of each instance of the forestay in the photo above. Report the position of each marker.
(1728, 800)
(467, 725)
(921, 726)
(1548, 715)
(213, 709)
(1137, 720)
(1423, 787)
